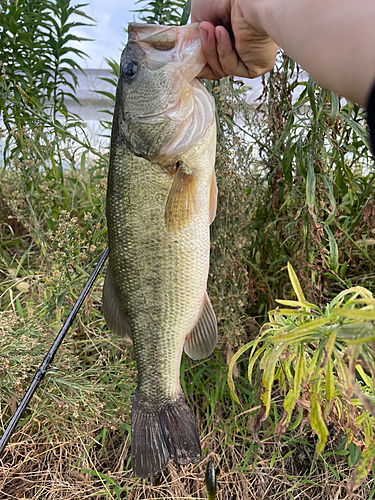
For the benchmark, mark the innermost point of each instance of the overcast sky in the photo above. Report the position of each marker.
(111, 17)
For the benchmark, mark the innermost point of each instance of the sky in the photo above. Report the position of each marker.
(111, 16)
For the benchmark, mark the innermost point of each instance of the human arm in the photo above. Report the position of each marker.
(333, 40)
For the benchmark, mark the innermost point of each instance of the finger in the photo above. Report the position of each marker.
(208, 42)
(208, 74)
(229, 61)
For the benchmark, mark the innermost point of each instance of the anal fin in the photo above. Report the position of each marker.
(202, 340)
(115, 318)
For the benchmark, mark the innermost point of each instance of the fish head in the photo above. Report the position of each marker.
(154, 93)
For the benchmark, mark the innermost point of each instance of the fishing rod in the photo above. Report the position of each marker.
(46, 364)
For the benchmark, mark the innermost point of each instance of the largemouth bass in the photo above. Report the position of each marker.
(161, 200)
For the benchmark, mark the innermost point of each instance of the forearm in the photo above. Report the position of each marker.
(333, 40)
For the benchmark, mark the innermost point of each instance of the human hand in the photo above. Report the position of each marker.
(233, 40)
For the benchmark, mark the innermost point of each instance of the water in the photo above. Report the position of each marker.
(92, 104)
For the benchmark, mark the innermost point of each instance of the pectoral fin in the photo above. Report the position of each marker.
(202, 340)
(213, 197)
(182, 203)
(115, 318)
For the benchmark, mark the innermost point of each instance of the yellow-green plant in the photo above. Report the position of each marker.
(323, 361)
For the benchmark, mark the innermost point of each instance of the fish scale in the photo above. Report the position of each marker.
(159, 207)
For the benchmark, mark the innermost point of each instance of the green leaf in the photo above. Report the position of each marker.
(331, 343)
(289, 404)
(367, 380)
(106, 94)
(354, 453)
(310, 182)
(285, 133)
(254, 355)
(315, 361)
(300, 155)
(300, 372)
(330, 385)
(352, 313)
(291, 312)
(334, 107)
(333, 258)
(111, 81)
(363, 467)
(230, 381)
(185, 13)
(310, 93)
(316, 421)
(273, 458)
(300, 332)
(269, 377)
(358, 129)
(332, 201)
(19, 308)
(355, 291)
(295, 303)
(295, 284)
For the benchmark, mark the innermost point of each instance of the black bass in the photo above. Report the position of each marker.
(161, 200)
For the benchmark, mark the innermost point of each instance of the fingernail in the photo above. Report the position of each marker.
(204, 35)
(217, 35)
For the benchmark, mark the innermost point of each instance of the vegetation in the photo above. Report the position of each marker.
(291, 281)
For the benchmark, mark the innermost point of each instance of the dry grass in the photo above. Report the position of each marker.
(59, 470)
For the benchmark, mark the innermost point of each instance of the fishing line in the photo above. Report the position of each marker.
(46, 364)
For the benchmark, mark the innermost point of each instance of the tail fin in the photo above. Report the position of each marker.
(159, 434)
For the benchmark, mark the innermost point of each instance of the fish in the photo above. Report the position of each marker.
(161, 200)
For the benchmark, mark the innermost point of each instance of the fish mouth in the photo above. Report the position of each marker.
(179, 46)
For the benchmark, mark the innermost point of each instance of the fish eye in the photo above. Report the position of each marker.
(129, 69)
